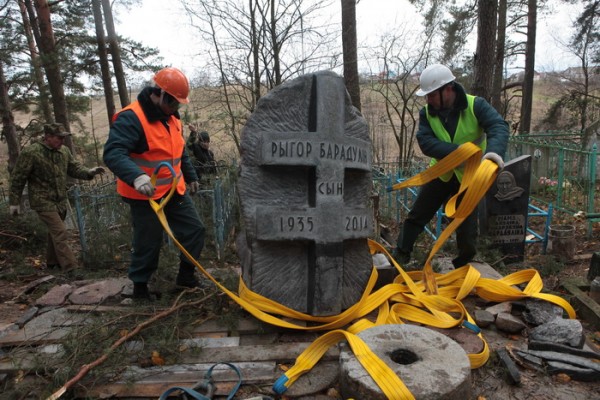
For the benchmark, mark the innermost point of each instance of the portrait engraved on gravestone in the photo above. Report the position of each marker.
(304, 186)
(505, 209)
(507, 187)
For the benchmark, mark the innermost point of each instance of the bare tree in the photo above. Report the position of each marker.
(578, 88)
(496, 94)
(400, 56)
(350, 51)
(38, 73)
(527, 100)
(9, 131)
(49, 57)
(256, 45)
(586, 46)
(483, 71)
(115, 51)
(102, 54)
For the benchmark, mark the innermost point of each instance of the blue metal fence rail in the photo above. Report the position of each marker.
(539, 237)
(397, 204)
(104, 225)
(563, 173)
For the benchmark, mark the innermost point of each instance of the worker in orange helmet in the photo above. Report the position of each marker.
(144, 134)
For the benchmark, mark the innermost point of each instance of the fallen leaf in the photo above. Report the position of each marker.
(157, 359)
(562, 378)
(20, 376)
(284, 367)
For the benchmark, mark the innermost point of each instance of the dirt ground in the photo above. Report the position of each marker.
(488, 382)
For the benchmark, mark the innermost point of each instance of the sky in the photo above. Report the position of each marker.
(164, 25)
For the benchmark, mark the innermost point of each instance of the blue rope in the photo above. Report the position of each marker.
(206, 383)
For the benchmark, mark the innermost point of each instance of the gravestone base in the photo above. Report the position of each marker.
(386, 272)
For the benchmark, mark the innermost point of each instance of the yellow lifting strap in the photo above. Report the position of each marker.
(422, 297)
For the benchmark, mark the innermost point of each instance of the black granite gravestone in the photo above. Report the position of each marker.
(304, 186)
(506, 206)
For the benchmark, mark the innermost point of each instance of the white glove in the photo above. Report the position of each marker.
(194, 187)
(143, 185)
(15, 210)
(96, 170)
(495, 158)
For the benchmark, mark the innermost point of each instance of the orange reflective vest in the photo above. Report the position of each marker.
(467, 130)
(163, 146)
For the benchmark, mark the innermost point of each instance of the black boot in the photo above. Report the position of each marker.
(400, 256)
(141, 292)
(186, 277)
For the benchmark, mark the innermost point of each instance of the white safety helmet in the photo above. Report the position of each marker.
(434, 77)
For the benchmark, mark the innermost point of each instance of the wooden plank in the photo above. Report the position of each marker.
(278, 352)
(32, 285)
(152, 382)
(306, 384)
(145, 390)
(34, 337)
(244, 326)
(95, 308)
(251, 371)
(31, 359)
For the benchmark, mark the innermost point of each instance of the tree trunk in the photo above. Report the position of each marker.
(115, 52)
(38, 74)
(8, 122)
(350, 51)
(486, 48)
(499, 63)
(47, 47)
(104, 66)
(255, 48)
(276, 46)
(527, 100)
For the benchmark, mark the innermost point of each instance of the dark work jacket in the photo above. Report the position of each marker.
(494, 126)
(127, 136)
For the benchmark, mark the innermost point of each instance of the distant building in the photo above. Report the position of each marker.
(519, 76)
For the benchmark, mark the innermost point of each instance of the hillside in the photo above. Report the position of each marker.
(206, 111)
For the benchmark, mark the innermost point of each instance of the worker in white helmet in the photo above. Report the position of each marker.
(450, 118)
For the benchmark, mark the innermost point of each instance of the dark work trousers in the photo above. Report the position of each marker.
(148, 235)
(431, 196)
(58, 250)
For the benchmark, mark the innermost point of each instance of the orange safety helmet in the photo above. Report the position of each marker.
(174, 82)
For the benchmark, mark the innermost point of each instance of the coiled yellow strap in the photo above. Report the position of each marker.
(422, 297)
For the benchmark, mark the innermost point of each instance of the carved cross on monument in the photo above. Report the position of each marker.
(324, 207)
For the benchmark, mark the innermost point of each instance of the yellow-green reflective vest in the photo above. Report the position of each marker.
(467, 130)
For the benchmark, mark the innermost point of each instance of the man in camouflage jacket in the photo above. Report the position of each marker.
(44, 166)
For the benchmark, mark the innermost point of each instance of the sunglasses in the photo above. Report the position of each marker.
(170, 101)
